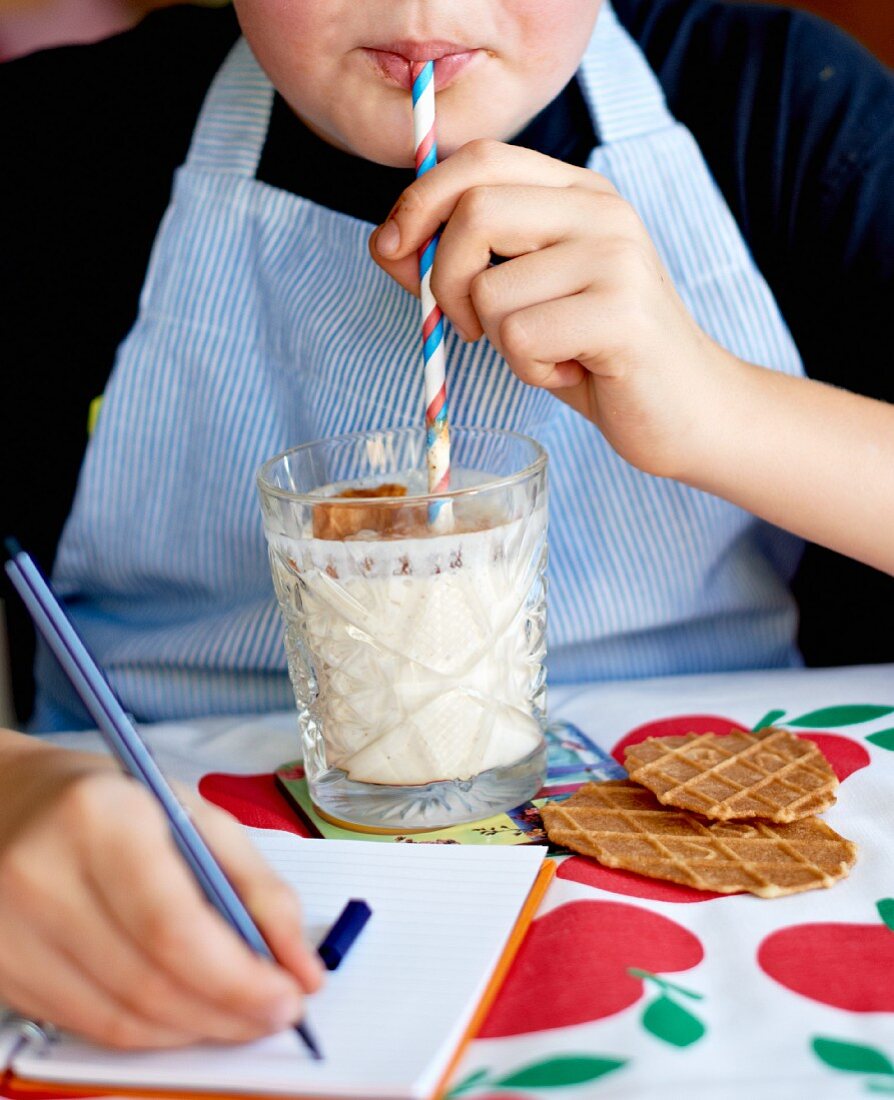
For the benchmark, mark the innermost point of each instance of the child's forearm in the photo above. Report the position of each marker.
(816, 460)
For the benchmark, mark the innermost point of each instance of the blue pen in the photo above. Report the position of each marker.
(126, 744)
(338, 940)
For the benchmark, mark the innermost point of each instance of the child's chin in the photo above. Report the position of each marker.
(386, 136)
(393, 154)
(381, 150)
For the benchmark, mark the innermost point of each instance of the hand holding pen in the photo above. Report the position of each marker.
(106, 932)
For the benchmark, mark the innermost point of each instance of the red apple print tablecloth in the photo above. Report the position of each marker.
(630, 988)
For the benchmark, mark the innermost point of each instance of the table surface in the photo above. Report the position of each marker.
(631, 988)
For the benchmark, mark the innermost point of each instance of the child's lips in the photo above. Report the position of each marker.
(395, 66)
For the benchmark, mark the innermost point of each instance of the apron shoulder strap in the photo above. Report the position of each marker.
(232, 125)
(622, 92)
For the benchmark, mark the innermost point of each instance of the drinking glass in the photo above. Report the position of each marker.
(415, 625)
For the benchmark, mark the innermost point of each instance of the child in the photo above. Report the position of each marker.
(628, 289)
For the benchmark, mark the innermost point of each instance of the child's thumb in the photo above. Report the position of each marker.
(405, 270)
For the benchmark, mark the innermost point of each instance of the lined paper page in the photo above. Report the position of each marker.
(392, 1014)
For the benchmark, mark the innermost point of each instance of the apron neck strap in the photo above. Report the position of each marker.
(621, 91)
(232, 126)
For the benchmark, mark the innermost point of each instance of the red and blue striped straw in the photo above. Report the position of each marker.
(437, 425)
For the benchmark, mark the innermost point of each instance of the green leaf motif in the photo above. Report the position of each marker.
(768, 719)
(667, 1020)
(566, 1069)
(885, 909)
(851, 1057)
(663, 983)
(840, 716)
(886, 1087)
(884, 739)
(469, 1082)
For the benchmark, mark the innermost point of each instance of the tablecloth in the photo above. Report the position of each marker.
(632, 988)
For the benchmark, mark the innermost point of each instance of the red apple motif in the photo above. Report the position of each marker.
(573, 966)
(848, 966)
(845, 756)
(254, 800)
(590, 873)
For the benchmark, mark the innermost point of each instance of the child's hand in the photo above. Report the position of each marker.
(583, 307)
(105, 931)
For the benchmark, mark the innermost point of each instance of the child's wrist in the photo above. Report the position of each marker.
(723, 425)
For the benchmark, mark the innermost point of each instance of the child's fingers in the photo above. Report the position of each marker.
(538, 342)
(120, 969)
(274, 905)
(507, 221)
(154, 899)
(142, 944)
(404, 271)
(54, 990)
(430, 201)
(476, 294)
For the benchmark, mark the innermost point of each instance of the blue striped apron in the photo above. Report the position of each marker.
(263, 324)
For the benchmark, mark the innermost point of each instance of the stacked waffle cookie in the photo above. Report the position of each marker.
(728, 813)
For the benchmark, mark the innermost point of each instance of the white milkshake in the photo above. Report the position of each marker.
(421, 649)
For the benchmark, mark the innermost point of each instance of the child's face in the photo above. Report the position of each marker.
(343, 65)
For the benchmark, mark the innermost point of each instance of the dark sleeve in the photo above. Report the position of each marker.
(835, 284)
(823, 230)
(89, 140)
(796, 122)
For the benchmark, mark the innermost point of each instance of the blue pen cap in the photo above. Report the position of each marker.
(341, 935)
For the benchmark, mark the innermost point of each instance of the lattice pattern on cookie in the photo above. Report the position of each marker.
(769, 774)
(622, 825)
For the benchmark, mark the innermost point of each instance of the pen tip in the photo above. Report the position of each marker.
(309, 1041)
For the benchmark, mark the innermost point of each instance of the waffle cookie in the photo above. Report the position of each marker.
(770, 774)
(342, 519)
(621, 824)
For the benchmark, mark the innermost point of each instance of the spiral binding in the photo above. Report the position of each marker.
(34, 1034)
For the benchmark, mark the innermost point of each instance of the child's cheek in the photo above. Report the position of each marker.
(299, 44)
(553, 34)
(283, 33)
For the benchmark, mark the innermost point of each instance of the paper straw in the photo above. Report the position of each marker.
(437, 442)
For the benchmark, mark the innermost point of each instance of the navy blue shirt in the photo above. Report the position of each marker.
(795, 120)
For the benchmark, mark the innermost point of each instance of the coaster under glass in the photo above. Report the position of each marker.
(368, 807)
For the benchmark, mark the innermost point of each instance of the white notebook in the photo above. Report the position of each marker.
(392, 1018)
